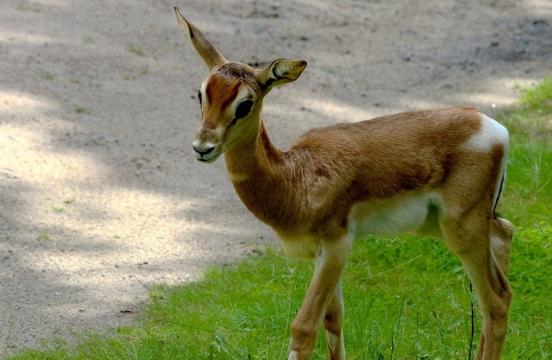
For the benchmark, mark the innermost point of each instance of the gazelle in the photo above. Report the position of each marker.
(435, 172)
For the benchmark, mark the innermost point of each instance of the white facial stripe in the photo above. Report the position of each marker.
(204, 98)
(243, 93)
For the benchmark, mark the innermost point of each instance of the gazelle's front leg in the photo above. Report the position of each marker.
(320, 294)
(333, 322)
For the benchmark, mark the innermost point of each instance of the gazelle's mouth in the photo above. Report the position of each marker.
(208, 158)
(206, 151)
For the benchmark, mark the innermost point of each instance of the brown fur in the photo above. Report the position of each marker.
(356, 162)
(307, 194)
(308, 191)
(220, 93)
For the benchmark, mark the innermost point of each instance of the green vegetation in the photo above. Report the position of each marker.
(136, 50)
(44, 236)
(406, 298)
(29, 7)
(144, 70)
(48, 76)
(57, 209)
(540, 99)
(81, 110)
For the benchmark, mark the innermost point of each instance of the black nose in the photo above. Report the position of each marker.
(203, 149)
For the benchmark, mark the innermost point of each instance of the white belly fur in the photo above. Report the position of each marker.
(398, 215)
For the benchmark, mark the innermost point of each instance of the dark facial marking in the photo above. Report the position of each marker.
(243, 109)
(221, 91)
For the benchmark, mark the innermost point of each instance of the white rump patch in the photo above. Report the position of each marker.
(490, 134)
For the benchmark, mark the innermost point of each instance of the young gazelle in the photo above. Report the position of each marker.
(435, 172)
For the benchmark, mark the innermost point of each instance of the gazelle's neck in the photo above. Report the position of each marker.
(257, 170)
(254, 157)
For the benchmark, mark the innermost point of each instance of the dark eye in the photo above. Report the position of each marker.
(244, 108)
(199, 97)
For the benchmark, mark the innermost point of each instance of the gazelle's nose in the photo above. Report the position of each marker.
(203, 149)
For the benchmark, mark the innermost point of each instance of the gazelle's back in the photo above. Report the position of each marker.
(448, 127)
(396, 153)
(389, 173)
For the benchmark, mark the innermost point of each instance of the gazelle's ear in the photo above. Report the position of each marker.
(280, 72)
(205, 49)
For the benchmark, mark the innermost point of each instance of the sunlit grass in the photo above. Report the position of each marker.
(406, 297)
(538, 99)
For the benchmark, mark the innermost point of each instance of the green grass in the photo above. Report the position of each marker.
(540, 99)
(405, 297)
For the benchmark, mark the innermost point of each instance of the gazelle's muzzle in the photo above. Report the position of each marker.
(207, 146)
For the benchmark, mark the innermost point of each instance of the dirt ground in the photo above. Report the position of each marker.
(100, 195)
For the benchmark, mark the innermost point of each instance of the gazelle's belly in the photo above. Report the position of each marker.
(409, 213)
(302, 246)
(417, 214)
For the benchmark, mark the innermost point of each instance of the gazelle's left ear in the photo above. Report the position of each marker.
(280, 72)
(205, 49)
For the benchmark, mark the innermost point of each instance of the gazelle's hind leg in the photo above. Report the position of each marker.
(501, 238)
(469, 238)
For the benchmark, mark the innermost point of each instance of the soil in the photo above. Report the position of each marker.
(100, 194)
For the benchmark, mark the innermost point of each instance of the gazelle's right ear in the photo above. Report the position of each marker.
(205, 49)
(280, 72)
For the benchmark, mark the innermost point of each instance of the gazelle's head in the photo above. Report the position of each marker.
(231, 95)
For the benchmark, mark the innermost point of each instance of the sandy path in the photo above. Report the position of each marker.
(99, 194)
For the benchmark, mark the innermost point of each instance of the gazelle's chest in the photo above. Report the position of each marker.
(399, 215)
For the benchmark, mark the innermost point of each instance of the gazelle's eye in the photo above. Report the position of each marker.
(199, 97)
(243, 109)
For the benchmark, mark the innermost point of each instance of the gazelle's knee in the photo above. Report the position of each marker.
(302, 336)
(302, 343)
